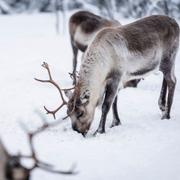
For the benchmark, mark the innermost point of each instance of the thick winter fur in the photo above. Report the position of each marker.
(120, 54)
(83, 26)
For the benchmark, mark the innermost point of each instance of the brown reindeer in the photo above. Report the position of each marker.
(83, 26)
(115, 57)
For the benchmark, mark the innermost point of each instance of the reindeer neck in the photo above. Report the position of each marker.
(93, 73)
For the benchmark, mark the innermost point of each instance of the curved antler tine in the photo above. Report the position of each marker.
(74, 77)
(51, 81)
(68, 89)
(50, 169)
(71, 75)
(65, 117)
(70, 112)
(53, 112)
(50, 112)
(46, 66)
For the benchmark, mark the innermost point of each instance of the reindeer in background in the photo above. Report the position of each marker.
(124, 53)
(11, 167)
(83, 26)
(117, 56)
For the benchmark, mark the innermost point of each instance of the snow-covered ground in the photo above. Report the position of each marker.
(144, 147)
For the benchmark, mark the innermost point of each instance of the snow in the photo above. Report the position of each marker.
(144, 147)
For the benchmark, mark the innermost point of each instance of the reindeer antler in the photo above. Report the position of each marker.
(37, 163)
(74, 77)
(51, 81)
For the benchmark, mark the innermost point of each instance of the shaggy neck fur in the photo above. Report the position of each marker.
(93, 72)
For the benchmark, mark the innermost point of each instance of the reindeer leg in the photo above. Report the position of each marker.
(116, 119)
(75, 54)
(171, 83)
(111, 90)
(162, 98)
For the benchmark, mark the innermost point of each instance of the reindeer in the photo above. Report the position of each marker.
(118, 55)
(83, 26)
(11, 167)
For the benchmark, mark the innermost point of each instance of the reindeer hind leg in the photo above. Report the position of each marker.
(162, 97)
(116, 119)
(169, 83)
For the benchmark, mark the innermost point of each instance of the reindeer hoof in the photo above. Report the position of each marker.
(162, 108)
(99, 131)
(165, 116)
(115, 124)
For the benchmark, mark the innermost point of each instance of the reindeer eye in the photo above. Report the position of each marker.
(79, 114)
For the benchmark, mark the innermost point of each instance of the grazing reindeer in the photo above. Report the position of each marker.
(11, 167)
(83, 26)
(117, 56)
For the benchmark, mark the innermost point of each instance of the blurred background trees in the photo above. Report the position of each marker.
(126, 8)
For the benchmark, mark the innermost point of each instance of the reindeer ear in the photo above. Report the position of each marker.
(85, 99)
(68, 93)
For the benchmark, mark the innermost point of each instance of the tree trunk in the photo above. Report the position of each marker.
(166, 9)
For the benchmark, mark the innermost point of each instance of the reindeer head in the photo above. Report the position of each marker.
(80, 110)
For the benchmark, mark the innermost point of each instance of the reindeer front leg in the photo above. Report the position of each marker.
(75, 54)
(110, 94)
